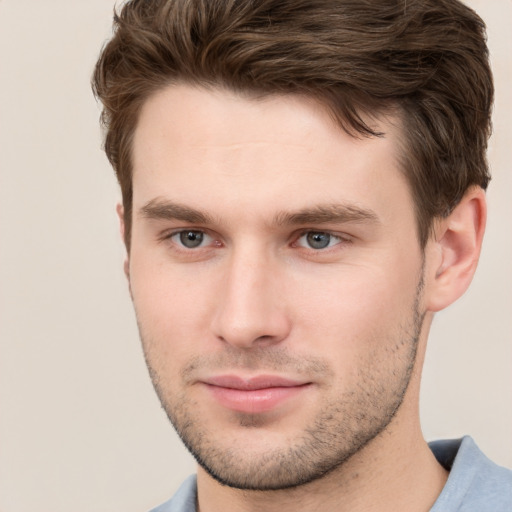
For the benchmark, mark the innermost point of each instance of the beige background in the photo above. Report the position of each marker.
(80, 427)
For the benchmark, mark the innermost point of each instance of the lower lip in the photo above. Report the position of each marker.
(255, 400)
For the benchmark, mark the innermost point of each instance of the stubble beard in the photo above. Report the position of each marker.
(343, 427)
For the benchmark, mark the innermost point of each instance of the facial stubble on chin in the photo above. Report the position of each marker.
(343, 427)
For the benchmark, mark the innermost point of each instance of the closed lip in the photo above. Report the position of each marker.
(254, 395)
(253, 383)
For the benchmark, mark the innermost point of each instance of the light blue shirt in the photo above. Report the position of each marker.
(475, 483)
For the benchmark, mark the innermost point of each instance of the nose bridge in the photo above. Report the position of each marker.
(249, 310)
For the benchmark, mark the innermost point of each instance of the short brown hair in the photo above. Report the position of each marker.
(426, 59)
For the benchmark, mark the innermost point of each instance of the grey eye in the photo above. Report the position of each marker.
(191, 239)
(318, 240)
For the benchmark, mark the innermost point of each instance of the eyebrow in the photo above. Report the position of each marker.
(160, 209)
(330, 213)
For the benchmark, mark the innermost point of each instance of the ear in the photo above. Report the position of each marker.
(455, 249)
(120, 214)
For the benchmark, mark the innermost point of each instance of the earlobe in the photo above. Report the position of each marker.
(456, 249)
(120, 214)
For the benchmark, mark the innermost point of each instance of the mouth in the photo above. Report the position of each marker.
(256, 394)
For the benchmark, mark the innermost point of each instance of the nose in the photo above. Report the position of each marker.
(250, 310)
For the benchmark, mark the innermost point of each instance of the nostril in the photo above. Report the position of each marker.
(264, 339)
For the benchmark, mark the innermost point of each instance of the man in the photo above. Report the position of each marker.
(303, 188)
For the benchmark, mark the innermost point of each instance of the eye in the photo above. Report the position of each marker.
(318, 240)
(190, 239)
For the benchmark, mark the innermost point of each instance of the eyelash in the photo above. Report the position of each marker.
(169, 237)
(341, 239)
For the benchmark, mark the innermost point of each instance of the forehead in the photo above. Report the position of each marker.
(221, 149)
(192, 109)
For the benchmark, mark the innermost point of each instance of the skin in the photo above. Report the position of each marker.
(265, 183)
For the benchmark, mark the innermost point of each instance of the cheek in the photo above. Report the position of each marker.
(359, 310)
(172, 307)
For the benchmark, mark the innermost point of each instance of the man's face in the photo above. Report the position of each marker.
(277, 281)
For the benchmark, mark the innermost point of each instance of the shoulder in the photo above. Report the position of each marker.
(475, 483)
(184, 500)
